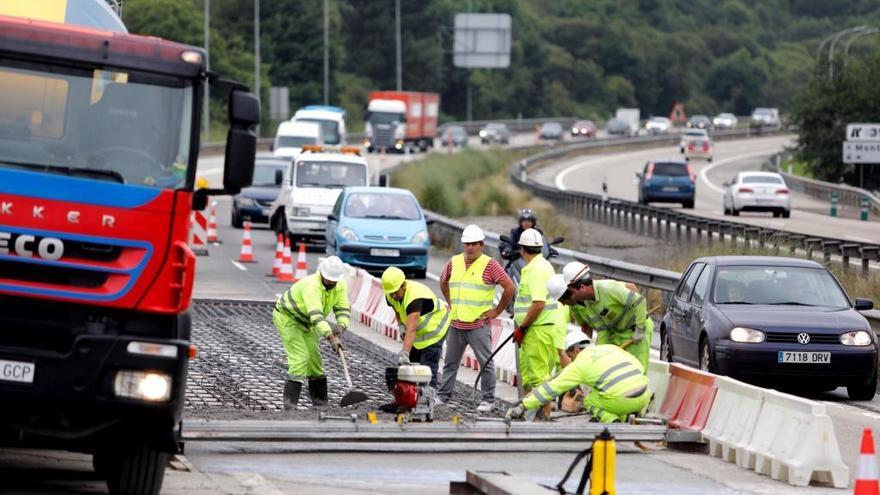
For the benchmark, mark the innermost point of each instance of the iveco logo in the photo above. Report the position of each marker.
(25, 245)
(803, 338)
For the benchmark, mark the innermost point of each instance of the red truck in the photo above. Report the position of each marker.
(99, 138)
(396, 120)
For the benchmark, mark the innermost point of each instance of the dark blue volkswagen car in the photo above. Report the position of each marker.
(670, 181)
(253, 202)
(771, 321)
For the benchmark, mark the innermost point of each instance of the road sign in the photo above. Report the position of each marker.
(862, 132)
(861, 151)
(482, 41)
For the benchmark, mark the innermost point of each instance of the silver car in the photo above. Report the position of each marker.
(757, 191)
(725, 121)
(658, 125)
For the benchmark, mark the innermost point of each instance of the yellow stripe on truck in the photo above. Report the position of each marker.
(44, 10)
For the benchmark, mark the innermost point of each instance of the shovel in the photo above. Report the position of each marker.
(353, 396)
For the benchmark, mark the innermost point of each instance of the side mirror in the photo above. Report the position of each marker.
(505, 238)
(241, 140)
(429, 221)
(272, 146)
(279, 177)
(384, 180)
(864, 304)
(332, 217)
(638, 175)
(557, 240)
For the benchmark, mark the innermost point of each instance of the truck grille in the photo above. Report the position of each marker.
(383, 138)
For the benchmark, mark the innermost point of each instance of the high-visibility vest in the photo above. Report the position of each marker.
(607, 369)
(308, 302)
(470, 296)
(432, 326)
(614, 310)
(535, 276)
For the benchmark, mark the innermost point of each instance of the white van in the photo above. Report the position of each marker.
(310, 187)
(331, 119)
(292, 136)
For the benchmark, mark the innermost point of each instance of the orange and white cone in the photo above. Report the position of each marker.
(866, 476)
(247, 250)
(279, 256)
(302, 268)
(286, 272)
(212, 224)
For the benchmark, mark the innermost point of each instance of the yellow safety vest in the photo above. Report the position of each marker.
(308, 303)
(431, 327)
(470, 296)
(533, 278)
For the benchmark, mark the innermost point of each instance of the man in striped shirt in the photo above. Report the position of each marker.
(468, 282)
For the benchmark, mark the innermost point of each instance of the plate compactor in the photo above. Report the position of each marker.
(411, 387)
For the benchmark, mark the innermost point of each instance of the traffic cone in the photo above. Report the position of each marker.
(302, 268)
(279, 256)
(286, 272)
(247, 251)
(866, 476)
(212, 224)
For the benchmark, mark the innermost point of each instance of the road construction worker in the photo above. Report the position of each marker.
(468, 283)
(425, 317)
(618, 384)
(300, 318)
(613, 309)
(536, 315)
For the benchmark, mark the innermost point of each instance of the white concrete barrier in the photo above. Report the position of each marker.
(794, 441)
(658, 379)
(732, 420)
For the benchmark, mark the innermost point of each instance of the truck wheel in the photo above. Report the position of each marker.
(236, 221)
(138, 469)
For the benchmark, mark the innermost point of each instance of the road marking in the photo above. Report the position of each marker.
(239, 266)
(433, 277)
(704, 173)
(559, 182)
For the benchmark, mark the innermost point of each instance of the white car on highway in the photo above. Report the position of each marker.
(757, 191)
(725, 121)
(692, 135)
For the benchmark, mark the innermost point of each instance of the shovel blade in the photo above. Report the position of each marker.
(353, 397)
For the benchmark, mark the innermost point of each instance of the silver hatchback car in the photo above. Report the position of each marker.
(757, 191)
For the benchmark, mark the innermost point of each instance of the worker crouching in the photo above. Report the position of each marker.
(300, 318)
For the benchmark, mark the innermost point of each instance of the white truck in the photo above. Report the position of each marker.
(631, 116)
(310, 187)
(331, 119)
(292, 136)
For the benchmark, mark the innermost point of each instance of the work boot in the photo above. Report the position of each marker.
(318, 391)
(291, 394)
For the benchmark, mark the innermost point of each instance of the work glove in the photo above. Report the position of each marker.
(337, 329)
(516, 412)
(519, 333)
(335, 343)
(403, 358)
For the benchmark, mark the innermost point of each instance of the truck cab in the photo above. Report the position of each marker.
(386, 125)
(330, 118)
(311, 186)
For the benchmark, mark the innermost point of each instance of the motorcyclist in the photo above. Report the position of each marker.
(526, 220)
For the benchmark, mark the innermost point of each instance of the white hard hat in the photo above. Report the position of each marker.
(472, 233)
(575, 270)
(531, 238)
(556, 286)
(331, 269)
(575, 337)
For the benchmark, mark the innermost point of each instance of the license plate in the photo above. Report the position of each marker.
(670, 189)
(803, 357)
(764, 201)
(388, 253)
(16, 371)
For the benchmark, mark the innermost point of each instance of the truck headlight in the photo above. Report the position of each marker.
(483, 134)
(152, 386)
(858, 338)
(420, 237)
(747, 335)
(348, 234)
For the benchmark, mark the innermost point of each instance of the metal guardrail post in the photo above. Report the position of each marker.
(829, 248)
(846, 251)
(795, 242)
(810, 245)
(711, 229)
(868, 254)
(668, 226)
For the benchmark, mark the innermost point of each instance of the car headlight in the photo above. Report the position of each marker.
(299, 212)
(420, 237)
(245, 201)
(859, 338)
(152, 386)
(483, 134)
(747, 335)
(348, 234)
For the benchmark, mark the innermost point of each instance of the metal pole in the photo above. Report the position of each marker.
(257, 87)
(834, 42)
(397, 29)
(326, 52)
(850, 42)
(206, 113)
(469, 109)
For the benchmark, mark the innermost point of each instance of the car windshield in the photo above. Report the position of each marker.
(552, 127)
(670, 169)
(295, 141)
(455, 131)
(100, 124)
(659, 120)
(761, 179)
(330, 129)
(778, 285)
(695, 134)
(382, 206)
(330, 174)
(385, 118)
(762, 112)
(496, 127)
(264, 173)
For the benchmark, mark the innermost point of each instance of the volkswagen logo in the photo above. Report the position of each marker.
(803, 338)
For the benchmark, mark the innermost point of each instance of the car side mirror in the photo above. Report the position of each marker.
(638, 175)
(505, 238)
(557, 240)
(279, 177)
(384, 180)
(429, 221)
(864, 304)
(332, 217)
(241, 140)
(272, 146)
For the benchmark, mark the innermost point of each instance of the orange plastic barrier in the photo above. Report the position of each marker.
(689, 398)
